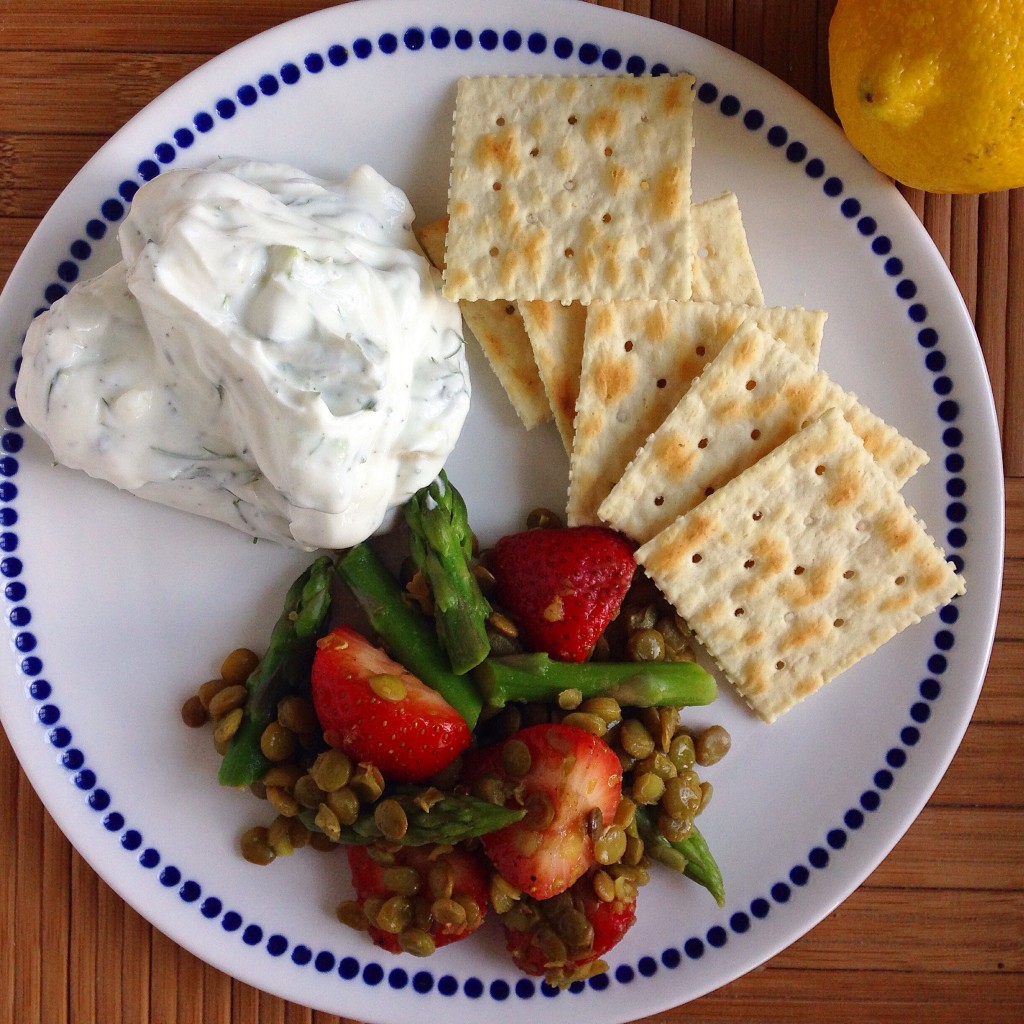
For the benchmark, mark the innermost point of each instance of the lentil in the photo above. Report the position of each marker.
(712, 745)
(239, 665)
(227, 699)
(193, 713)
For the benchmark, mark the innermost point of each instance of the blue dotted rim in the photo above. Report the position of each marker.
(828, 187)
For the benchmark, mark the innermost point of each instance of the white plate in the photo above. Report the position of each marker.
(117, 608)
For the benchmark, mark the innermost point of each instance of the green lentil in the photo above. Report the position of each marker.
(227, 699)
(331, 770)
(239, 665)
(712, 745)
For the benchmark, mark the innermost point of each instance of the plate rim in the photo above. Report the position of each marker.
(394, 11)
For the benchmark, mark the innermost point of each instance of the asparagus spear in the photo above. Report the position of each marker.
(442, 547)
(691, 855)
(436, 817)
(284, 670)
(536, 677)
(404, 631)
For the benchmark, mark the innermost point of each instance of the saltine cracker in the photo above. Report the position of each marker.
(570, 188)
(800, 566)
(723, 271)
(639, 359)
(750, 398)
(498, 329)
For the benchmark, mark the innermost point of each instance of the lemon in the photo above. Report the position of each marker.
(932, 91)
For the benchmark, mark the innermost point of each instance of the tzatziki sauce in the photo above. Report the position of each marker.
(272, 351)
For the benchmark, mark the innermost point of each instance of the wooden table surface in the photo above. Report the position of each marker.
(935, 934)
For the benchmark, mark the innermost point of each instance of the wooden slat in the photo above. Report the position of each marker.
(779, 993)
(948, 849)
(1010, 625)
(105, 95)
(989, 926)
(977, 776)
(117, 26)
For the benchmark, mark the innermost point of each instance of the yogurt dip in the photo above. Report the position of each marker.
(271, 351)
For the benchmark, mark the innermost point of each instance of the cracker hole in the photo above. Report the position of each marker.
(500, 122)
(798, 570)
(569, 254)
(748, 564)
(861, 526)
(757, 516)
(496, 186)
(569, 185)
(789, 616)
(644, 119)
(738, 612)
(755, 434)
(535, 151)
(751, 384)
(838, 622)
(819, 470)
(708, 491)
(607, 150)
(510, 309)
(645, 185)
(702, 443)
(607, 218)
(697, 558)
(849, 574)
(643, 252)
(659, 500)
(628, 346)
(662, 382)
(900, 580)
(494, 250)
(780, 665)
(700, 350)
(572, 119)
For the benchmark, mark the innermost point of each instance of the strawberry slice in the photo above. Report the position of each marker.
(563, 585)
(562, 939)
(450, 903)
(559, 774)
(377, 712)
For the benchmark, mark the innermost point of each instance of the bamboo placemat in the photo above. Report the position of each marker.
(935, 934)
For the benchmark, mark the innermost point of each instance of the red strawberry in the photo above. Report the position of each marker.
(563, 586)
(534, 951)
(567, 774)
(466, 872)
(376, 711)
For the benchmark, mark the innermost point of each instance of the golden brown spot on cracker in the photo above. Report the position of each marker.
(675, 96)
(896, 531)
(729, 410)
(603, 123)
(617, 178)
(771, 554)
(672, 455)
(668, 197)
(844, 487)
(498, 149)
(613, 378)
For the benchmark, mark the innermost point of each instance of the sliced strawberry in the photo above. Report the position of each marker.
(377, 712)
(455, 875)
(563, 586)
(562, 939)
(563, 776)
